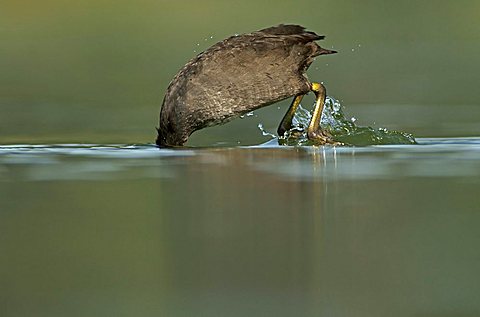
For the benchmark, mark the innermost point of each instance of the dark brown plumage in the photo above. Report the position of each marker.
(235, 76)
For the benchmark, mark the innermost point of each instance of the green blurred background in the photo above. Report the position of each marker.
(96, 71)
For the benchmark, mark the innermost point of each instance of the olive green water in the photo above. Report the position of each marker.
(96, 221)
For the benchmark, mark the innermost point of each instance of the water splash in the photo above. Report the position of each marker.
(265, 132)
(341, 129)
(248, 114)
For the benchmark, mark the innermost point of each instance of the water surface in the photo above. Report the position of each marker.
(133, 230)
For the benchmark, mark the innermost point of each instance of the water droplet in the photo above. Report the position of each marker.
(264, 132)
(211, 36)
(353, 50)
(248, 114)
(353, 119)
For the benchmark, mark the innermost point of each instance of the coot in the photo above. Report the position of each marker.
(240, 74)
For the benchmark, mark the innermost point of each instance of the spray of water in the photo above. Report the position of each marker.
(342, 129)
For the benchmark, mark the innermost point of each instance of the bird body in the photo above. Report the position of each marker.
(235, 76)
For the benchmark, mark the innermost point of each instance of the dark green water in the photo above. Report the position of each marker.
(131, 230)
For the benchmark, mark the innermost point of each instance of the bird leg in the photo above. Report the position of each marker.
(314, 131)
(286, 123)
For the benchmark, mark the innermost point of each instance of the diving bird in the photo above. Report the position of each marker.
(240, 74)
